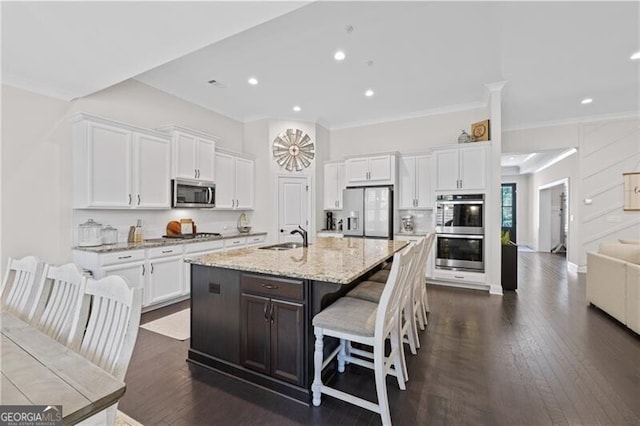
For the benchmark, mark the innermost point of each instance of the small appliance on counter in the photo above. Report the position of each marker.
(330, 225)
(408, 226)
(243, 223)
(89, 234)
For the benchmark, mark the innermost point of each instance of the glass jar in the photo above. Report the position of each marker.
(109, 235)
(89, 234)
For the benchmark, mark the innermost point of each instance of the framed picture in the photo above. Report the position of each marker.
(480, 131)
(631, 191)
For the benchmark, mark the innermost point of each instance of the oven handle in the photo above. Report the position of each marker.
(466, 236)
(461, 202)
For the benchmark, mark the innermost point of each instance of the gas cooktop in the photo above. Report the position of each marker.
(194, 236)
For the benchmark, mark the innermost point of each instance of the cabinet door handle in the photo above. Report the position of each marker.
(143, 270)
(129, 199)
(138, 199)
(271, 312)
(152, 268)
(270, 286)
(266, 307)
(124, 257)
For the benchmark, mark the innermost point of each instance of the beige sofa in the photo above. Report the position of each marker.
(613, 281)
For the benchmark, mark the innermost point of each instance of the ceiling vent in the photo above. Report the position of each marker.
(217, 84)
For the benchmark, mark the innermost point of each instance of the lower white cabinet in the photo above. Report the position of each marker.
(164, 275)
(161, 272)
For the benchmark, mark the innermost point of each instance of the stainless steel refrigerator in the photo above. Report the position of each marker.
(368, 212)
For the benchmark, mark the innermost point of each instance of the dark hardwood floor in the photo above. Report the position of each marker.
(537, 356)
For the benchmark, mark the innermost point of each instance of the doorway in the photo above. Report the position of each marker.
(508, 204)
(553, 207)
(293, 206)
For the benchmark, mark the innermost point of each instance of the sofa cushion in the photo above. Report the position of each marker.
(626, 252)
(627, 241)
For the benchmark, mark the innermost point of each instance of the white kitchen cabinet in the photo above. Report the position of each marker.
(193, 153)
(164, 278)
(235, 181)
(373, 170)
(333, 185)
(461, 168)
(129, 264)
(415, 182)
(119, 166)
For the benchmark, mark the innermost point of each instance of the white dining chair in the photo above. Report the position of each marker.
(356, 320)
(57, 294)
(372, 289)
(111, 330)
(18, 285)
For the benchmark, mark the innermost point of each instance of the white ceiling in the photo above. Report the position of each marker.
(72, 49)
(427, 56)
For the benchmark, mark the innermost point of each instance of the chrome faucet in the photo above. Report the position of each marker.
(303, 234)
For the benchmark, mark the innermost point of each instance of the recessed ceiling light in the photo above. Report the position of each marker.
(339, 55)
(586, 101)
(512, 158)
(635, 56)
(296, 108)
(369, 93)
(252, 81)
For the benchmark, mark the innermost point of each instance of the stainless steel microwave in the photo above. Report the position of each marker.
(187, 193)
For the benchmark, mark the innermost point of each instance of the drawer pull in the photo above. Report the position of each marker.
(460, 277)
(167, 251)
(270, 286)
(124, 257)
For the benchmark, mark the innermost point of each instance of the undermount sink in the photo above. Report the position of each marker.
(282, 246)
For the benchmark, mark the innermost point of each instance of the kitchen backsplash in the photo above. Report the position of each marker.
(154, 223)
(422, 219)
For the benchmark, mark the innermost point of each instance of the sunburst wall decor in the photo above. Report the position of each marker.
(293, 150)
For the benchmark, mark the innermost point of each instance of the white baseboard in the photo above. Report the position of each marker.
(459, 284)
(572, 267)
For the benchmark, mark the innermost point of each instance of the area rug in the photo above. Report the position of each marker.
(176, 326)
(123, 420)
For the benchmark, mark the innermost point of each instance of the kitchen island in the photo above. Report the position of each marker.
(251, 308)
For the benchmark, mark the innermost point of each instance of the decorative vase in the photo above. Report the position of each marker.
(464, 137)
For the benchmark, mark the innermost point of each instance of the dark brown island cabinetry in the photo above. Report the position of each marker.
(272, 326)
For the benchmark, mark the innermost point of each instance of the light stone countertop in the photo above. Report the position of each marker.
(336, 260)
(161, 242)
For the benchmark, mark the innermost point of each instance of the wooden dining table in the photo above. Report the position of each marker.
(38, 370)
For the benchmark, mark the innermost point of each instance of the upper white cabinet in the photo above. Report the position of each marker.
(333, 185)
(119, 166)
(374, 170)
(461, 168)
(193, 153)
(415, 182)
(235, 180)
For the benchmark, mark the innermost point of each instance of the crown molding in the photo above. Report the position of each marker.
(576, 120)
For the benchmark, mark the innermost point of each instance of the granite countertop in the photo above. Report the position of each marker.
(337, 260)
(161, 242)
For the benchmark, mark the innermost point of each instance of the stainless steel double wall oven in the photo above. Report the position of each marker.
(460, 232)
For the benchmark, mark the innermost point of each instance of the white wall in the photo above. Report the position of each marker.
(406, 136)
(607, 149)
(36, 162)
